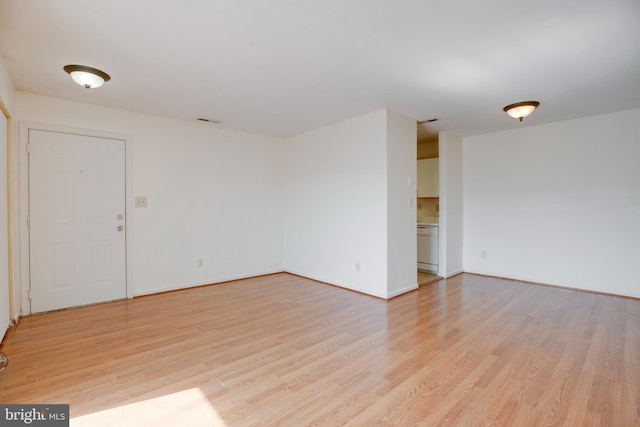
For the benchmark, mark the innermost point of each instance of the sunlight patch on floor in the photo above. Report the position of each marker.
(184, 408)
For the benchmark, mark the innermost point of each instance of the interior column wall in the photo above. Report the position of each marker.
(335, 192)
(451, 205)
(402, 249)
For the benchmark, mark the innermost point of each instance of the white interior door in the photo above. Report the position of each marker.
(76, 220)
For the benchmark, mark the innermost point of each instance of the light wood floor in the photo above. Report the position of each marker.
(425, 278)
(285, 351)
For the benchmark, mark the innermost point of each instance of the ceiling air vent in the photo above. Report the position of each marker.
(215, 122)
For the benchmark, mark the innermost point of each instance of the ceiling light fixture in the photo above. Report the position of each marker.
(87, 77)
(520, 110)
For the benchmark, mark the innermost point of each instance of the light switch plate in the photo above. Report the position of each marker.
(141, 201)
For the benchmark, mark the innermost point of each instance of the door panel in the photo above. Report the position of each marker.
(76, 203)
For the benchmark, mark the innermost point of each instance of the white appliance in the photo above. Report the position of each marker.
(428, 248)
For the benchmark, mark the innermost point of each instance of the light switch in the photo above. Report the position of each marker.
(141, 201)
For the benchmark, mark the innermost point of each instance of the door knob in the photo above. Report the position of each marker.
(120, 227)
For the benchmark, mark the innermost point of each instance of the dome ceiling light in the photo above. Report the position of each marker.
(520, 110)
(87, 77)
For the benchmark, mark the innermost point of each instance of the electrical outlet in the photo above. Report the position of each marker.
(357, 266)
(141, 201)
(483, 254)
(200, 263)
(227, 259)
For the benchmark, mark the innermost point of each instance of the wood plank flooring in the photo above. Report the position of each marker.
(425, 278)
(281, 350)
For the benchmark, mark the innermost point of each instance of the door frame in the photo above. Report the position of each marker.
(25, 278)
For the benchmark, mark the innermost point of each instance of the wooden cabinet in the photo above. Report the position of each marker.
(427, 177)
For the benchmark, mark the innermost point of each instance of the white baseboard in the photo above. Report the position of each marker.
(206, 283)
(333, 283)
(402, 291)
(452, 273)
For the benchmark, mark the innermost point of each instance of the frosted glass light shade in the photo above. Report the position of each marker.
(87, 77)
(520, 110)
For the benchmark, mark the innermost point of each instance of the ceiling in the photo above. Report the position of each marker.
(282, 67)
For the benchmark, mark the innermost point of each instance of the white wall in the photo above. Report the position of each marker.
(214, 193)
(7, 92)
(557, 203)
(335, 196)
(7, 97)
(451, 205)
(401, 204)
(348, 221)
